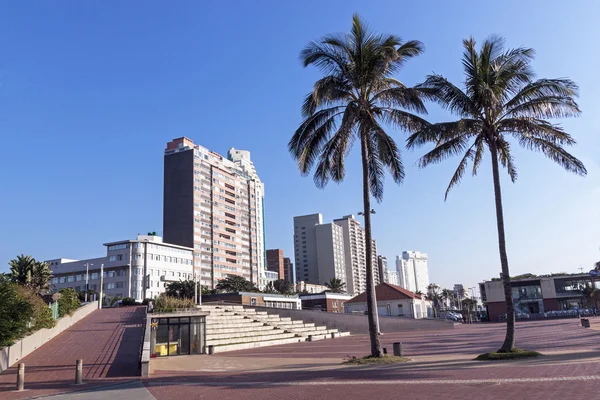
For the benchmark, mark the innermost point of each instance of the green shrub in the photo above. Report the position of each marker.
(128, 301)
(42, 314)
(146, 301)
(165, 303)
(68, 302)
(15, 313)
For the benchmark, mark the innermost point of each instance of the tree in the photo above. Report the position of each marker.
(283, 286)
(501, 100)
(236, 283)
(182, 289)
(15, 313)
(269, 288)
(435, 296)
(336, 285)
(21, 269)
(355, 99)
(26, 271)
(68, 301)
(468, 306)
(448, 297)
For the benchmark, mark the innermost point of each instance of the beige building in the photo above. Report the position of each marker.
(356, 255)
(215, 205)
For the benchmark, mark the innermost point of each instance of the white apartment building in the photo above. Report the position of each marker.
(137, 268)
(391, 277)
(215, 205)
(355, 252)
(413, 273)
(331, 261)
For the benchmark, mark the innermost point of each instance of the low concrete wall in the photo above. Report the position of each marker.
(358, 324)
(11, 355)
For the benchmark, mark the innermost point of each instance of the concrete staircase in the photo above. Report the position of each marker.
(230, 327)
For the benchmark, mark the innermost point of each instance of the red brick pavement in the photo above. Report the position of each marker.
(107, 340)
(545, 336)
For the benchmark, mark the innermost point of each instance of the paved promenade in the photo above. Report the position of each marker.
(442, 366)
(107, 340)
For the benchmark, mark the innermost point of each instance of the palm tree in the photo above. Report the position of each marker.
(336, 285)
(435, 296)
(501, 100)
(26, 271)
(21, 269)
(355, 98)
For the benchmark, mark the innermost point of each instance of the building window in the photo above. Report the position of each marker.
(70, 278)
(112, 258)
(120, 257)
(54, 281)
(119, 285)
(94, 275)
(78, 278)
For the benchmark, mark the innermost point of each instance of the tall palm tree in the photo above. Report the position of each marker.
(355, 99)
(502, 100)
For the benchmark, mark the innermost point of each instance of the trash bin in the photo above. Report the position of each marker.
(398, 349)
(585, 322)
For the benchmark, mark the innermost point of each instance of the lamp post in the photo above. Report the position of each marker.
(374, 289)
(101, 284)
(87, 277)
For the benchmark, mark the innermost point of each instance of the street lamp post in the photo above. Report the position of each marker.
(87, 277)
(374, 289)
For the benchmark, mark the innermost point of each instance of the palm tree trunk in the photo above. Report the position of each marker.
(509, 340)
(371, 305)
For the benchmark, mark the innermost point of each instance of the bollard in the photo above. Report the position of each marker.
(211, 349)
(310, 338)
(79, 372)
(21, 377)
(398, 349)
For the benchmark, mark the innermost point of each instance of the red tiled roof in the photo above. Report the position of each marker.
(386, 291)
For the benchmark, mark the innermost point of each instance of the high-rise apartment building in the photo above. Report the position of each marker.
(413, 273)
(391, 277)
(355, 251)
(215, 205)
(305, 248)
(288, 270)
(275, 262)
(382, 267)
(331, 262)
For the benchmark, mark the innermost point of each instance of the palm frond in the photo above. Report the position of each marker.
(435, 133)
(449, 148)
(460, 170)
(553, 151)
(506, 158)
(448, 96)
(537, 128)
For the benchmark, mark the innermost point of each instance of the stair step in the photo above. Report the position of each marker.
(252, 345)
(239, 334)
(254, 338)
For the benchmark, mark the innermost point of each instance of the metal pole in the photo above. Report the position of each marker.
(87, 275)
(79, 372)
(101, 285)
(195, 289)
(21, 377)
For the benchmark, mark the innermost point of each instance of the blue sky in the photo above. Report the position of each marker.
(90, 92)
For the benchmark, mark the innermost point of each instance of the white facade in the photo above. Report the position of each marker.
(331, 261)
(413, 273)
(355, 252)
(137, 268)
(408, 308)
(391, 277)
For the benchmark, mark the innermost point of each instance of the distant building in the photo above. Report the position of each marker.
(309, 287)
(214, 205)
(275, 262)
(292, 302)
(391, 277)
(288, 270)
(382, 267)
(138, 268)
(327, 301)
(538, 296)
(393, 301)
(356, 255)
(413, 273)
(271, 276)
(305, 248)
